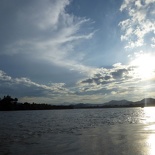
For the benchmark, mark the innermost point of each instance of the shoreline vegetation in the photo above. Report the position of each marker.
(7, 103)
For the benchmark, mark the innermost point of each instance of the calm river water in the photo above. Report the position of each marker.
(119, 131)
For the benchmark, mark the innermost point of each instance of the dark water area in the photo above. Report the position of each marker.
(122, 131)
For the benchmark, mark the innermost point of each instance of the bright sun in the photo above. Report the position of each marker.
(145, 66)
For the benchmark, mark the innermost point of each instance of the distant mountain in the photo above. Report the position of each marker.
(86, 105)
(118, 103)
(146, 102)
(141, 103)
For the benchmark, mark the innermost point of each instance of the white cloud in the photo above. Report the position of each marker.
(153, 42)
(4, 76)
(149, 1)
(58, 34)
(124, 80)
(139, 23)
(44, 14)
(25, 85)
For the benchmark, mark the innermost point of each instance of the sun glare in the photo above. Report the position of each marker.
(150, 115)
(150, 128)
(145, 66)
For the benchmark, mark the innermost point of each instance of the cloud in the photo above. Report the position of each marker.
(29, 91)
(25, 87)
(119, 73)
(104, 75)
(105, 80)
(48, 33)
(139, 23)
(42, 15)
(48, 42)
(119, 81)
(4, 76)
(153, 42)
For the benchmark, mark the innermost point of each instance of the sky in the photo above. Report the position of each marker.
(77, 51)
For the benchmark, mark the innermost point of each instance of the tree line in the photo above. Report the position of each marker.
(7, 103)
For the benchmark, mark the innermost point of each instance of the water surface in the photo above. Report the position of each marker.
(79, 131)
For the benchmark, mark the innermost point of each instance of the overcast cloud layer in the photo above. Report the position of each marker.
(58, 51)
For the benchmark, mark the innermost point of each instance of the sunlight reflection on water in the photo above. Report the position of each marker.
(150, 128)
(149, 114)
(151, 144)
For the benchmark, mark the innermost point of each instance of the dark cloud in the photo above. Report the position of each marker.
(87, 81)
(97, 80)
(119, 73)
(110, 75)
(107, 77)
